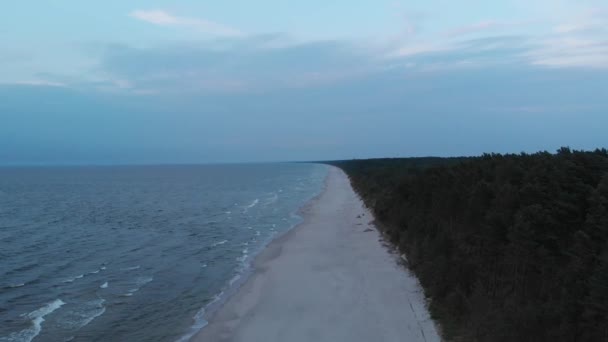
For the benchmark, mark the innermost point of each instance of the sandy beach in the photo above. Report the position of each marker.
(329, 279)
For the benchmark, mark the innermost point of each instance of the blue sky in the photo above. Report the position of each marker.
(228, 81)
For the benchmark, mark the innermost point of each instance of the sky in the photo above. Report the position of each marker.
(191, 81)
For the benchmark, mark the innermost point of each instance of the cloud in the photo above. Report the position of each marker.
(232, 62)
(257, 63)
(580, 40)
(483, 26)
(37, 83)
(571, 51)
(262, 64)
(454, 39)
(156, 17)
(163, 18)
(418, 49)
(481, 53)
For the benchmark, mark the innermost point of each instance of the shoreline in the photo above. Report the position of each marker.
(311, 271)
(204, 316)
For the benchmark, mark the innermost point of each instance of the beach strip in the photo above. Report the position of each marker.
(330, 279)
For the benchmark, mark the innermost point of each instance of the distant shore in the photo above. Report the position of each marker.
(329, 279)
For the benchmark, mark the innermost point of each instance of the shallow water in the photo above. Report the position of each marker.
(134, 253)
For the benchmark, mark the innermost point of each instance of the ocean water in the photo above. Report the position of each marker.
(135, 253)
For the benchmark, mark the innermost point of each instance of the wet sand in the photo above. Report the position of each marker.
(329, 279)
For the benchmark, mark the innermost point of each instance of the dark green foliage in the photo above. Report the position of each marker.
(506, 247)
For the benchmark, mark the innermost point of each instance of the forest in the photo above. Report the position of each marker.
(506, 247)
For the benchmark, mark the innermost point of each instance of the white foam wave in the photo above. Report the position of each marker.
(243, 256)
(219, 243)
(131, 268)
(253, 204)
(140, 282)
(37, 317)
(104, 285)
(234, 279)
(12, 286)
(84, 314)
(199, 320)
(94, 315)
(72, 279)
(272, 199)
(97, 270)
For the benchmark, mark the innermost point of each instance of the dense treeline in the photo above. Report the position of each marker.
(506, 247)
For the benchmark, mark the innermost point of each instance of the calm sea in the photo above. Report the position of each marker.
(135, 253)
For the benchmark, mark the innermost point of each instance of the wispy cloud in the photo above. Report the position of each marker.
(419, 49)
(38, 83)
(580, 40)
(237, 63)
(255, 63)
(482, 26)
(577, 39)
(163, 18)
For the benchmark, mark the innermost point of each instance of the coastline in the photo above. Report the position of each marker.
(204, 315)
(329, 278)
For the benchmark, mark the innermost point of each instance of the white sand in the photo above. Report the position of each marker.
(330, 279)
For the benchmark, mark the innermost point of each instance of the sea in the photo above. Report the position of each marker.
(136, 253)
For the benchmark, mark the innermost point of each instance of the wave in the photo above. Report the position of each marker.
(234, 280)
(199, 319)
(272, 199)
(84, 314)
(72, 279)
(37, 317)
(253, 204)
(104, 285)
(243, 256)
(22, 269)
(242, 272)
(97, 270)
(233, 284)
(219, 243)
(140, 282)
(131, 268)
(12, 286)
